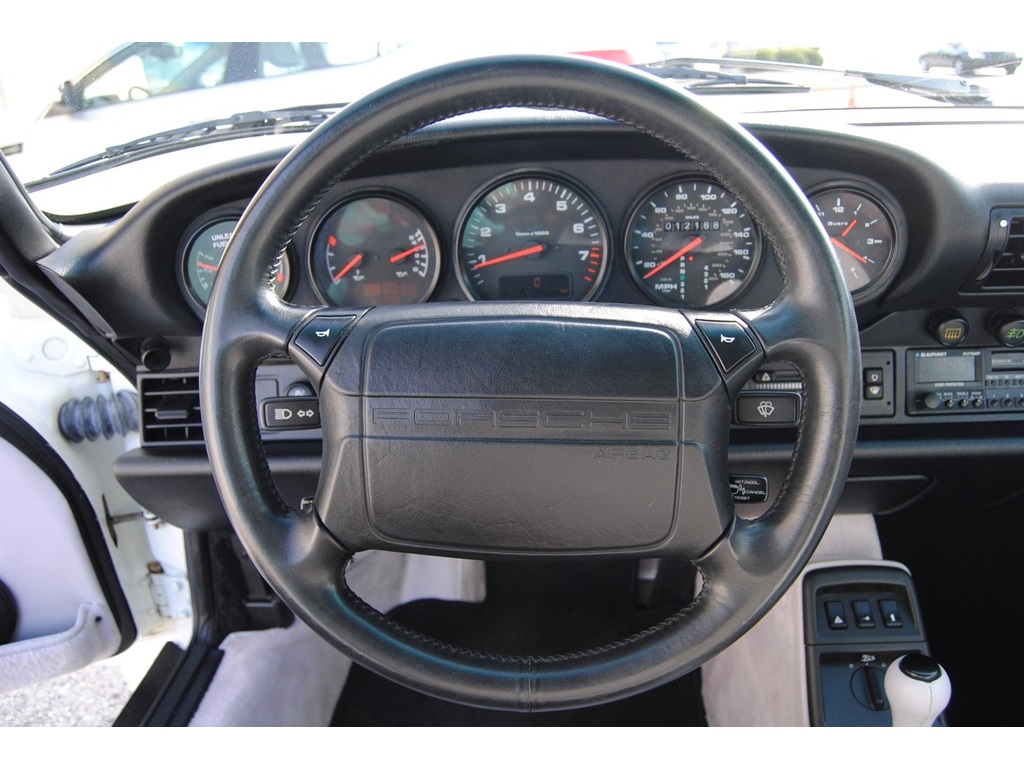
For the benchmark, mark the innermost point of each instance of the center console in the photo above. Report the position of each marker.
(858, 619)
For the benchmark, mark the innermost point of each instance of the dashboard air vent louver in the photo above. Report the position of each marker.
(170, 410)
(1002, 267)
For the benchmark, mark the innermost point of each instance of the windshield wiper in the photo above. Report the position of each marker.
(709, 81)
(944, 89)
(947, 89)
(242, 125)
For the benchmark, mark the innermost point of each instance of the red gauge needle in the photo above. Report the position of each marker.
(211, 267)
(849, 251)
(356, 260)
(675, 256)
(509, 256)
(399, 256)
(847, 230)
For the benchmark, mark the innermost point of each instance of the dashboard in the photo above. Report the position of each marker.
(538, 233)
(567, 207)
(638, 229)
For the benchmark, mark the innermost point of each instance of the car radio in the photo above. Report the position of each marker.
(951, 381)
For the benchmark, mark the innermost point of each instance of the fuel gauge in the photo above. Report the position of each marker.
(201, 261)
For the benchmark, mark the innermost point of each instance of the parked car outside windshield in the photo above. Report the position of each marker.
(139, 89)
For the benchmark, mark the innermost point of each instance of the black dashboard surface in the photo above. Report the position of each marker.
(941, 181)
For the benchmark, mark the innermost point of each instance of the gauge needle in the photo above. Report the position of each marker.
(399, 256)
(211, 267)
(675, 256)
(849, 251)
(356, 260)
(509, 256)
(847, 230)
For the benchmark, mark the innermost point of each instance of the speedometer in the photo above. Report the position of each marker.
(690, 243)
(534, 238)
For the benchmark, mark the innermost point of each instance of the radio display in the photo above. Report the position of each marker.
(931, 370)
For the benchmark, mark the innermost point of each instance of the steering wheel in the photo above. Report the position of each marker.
(529, 430)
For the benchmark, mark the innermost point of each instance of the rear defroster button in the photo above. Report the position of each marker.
(768, 408)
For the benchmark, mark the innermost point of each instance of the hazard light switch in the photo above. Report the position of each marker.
(836, 614)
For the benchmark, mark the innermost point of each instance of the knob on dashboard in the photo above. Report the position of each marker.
(1007, 326)
(948, 328)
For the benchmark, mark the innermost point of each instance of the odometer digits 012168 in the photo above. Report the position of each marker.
(532, 238)
(690, 243)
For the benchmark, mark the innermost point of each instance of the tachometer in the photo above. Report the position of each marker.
(375, 250)
(690, 243)
(532, 237)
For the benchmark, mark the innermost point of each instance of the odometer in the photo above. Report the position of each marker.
(533, 238)
(690, 243)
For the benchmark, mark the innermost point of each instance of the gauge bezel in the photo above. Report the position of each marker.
(196, 228)
(231, 212)
(387, 194)
(634, 211)
(574, 185)
(891, 209)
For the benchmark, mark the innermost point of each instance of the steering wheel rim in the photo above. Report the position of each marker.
(811, 325)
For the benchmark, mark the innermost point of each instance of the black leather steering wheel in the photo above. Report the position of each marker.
(636, 400)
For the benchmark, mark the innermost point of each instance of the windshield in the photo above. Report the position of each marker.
(72, 110)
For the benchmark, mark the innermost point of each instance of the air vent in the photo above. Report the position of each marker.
(1002, 267)
(170, 410)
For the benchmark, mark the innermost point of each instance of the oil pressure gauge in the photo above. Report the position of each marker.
(375, 249)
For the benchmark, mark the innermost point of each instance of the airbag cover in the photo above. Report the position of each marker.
(524, 436)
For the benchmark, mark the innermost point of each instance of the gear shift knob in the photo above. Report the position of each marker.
(918, 690)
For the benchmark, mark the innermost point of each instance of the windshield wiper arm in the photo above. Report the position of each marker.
(945, 89)
(242, 125)
(710, 81)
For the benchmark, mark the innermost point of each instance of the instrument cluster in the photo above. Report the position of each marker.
(687, 242)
